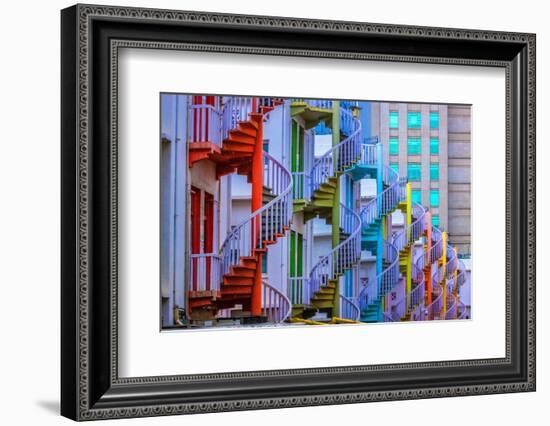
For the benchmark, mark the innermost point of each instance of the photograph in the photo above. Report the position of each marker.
(268, 207)
(282, 212)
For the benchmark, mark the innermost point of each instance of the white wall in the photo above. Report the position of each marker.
(29, 221)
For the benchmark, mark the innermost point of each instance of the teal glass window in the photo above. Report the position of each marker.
(414, 146)
(434, 120)
(434, 171)
(413, 120)
(394, 167)
(434, 146)
(413, 171)
(264, 263)
(435, 220)
(434, 198)
(394, 120)
(394, 146)
(416, 196)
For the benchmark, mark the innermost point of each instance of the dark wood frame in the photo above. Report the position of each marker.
(91, 388)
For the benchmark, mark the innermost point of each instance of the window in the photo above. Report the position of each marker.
(413, 171)
(434, 146)
(413, 120)
(414, 146)
(416, 196)
(435, 220)
(264, 263)
(394, 146)
(394, 120)
(434, 198)
(394, 167)
(434, 171)
(434, 120)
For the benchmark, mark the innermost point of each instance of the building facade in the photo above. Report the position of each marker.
(429, 144)
(264, 220)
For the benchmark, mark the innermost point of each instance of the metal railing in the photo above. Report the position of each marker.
(349, 309)
(461, 277)
(315, 103)
(434, 308)
(343, 256)
(301, 186)
(369, 154)
(413, 232)
(385, 280)
(206, 124)
(418, 292)
(386, 201)
(236, 109)
(451, 307)
(340, 157)
(349, 104)
(266, 223)
(299, 290)
(275, 305)
(270, 102)
(205, 272)
(462, 310)
(435, 252)
(397, 312)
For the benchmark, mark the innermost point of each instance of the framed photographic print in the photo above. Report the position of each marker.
(263, 212)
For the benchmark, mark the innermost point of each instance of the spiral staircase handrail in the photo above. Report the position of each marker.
(385, 280)
(411, 233)
(462, 311)
(276, 305)
(333, 264)
(451, 307)
(461, 277)
(278, 214)
(349, 309)
(346, 152)
(434, 308)
(386, 201)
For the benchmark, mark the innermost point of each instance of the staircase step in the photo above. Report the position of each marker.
(322, 203)
(248, 261)
(248, 130)
(323, 195)
(250, 124)
(199, 303)
(243, 271)
(235, 147)
(237, 135)
(237, 280)
(236, 290)
(322, 304)
(323, 296)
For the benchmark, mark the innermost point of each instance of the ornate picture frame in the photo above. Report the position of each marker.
(91, 37)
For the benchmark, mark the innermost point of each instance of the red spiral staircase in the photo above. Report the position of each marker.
(229, 132)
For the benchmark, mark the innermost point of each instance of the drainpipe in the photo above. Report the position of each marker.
(428, 278)
(455, 282)
(336, 201)
(256, 204)
(444, 270)
(379, 189)
(409, 250)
